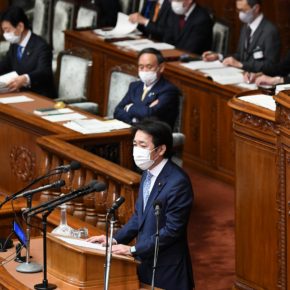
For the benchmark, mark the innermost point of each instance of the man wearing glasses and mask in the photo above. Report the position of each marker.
(152, 95)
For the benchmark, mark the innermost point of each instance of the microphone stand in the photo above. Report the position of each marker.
(28, 267)
(109, 246)
(45, 285)
(155, 250)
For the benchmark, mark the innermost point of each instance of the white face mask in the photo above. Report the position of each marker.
(247, 17)
(11, 37)
(148, 77)
(177, 7)
(142, 157)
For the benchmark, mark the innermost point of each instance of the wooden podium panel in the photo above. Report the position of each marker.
(84, 267)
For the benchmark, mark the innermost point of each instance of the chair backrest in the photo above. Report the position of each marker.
(86, 18)
(41, 18)
(63, 19)
(119, 80)
(74, 72)
(221, 33)
(128, 6)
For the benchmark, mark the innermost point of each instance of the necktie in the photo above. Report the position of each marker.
(148, 6)
(146, 188)
(248, 38)
(181, 21)
(19, 52)
(144, 93)
(156, 11)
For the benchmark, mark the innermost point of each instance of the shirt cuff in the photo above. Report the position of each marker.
(28, 82)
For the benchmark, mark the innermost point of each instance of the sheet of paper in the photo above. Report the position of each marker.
(6, 78)
(123, 27)
(247, 86)
(225, 75)
(200, 64)
(261, 100)
(280, 88)
(52, 111)
(92, 126)
(82, 243)
(16, 99)
(64, 117)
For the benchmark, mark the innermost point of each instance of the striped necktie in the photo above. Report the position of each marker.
(146, 188)
(19, 52)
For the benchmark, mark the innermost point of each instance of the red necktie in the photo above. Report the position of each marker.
(181, 21)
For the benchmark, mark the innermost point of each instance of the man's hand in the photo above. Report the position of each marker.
(138, 18)
(266, 80)
(231, 61)
(210, 56)
(121, 250)
(17, 83)
(154, 103)
(97, 239)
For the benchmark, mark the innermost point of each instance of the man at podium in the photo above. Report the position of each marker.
(164, 181)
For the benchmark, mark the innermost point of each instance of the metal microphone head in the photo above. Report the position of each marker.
(116, 204)
(157, 205)
(99, 186)
(74, 165)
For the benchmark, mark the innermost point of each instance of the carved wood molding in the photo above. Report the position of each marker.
(195, 123)
(283, 116)
(254, 121)
(22, 162)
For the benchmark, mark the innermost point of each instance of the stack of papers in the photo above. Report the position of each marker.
(261, 100)
(15, 100)
(82, 243)
(225, 75)
(200, 64)
(5, 79)
(280, 88)
(123, 28)
(64, 117)
(52, 111)
(91, 126)
(140, 44)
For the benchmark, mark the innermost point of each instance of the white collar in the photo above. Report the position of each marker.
(186, 15)
(155, 171)
(254, 25)
(25, 40)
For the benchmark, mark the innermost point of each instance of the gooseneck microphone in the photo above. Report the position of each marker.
(55, 185)
(47, 206)
(116, 204)
(74, 165)
(157, 204)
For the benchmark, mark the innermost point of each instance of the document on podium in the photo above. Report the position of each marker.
(260, 100)
(123, 27)
(82, 243)
(201, 64)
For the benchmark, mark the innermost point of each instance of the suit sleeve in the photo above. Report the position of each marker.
(279, 69)
(174, 219)
(167, 102)
(120, 112)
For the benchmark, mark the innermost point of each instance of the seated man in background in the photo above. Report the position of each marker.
(152, 95)
(275, 74)
(259, 43)
(153, 18)
(29, 55)
(165, 182)
(189, 27)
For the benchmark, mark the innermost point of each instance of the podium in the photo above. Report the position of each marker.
(84, 267)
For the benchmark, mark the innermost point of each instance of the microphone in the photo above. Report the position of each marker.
(74, 165)
(91, 187)
(55, 185)
(157, 204)
(116, 204)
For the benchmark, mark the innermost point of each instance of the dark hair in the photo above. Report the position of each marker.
(254, 2)
(151, 50)
(160, 131)
(15, 15)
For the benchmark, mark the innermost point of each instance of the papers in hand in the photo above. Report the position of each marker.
(91, 126)
(261, 100)
(122, 28)
(5, 79)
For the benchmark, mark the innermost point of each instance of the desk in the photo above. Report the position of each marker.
(206, 117)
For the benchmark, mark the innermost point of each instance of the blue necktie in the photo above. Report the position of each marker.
(146, 188)
(19, 52)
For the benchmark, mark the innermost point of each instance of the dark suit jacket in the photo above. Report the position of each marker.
(36, 62)
(196, 36)
(265, 42)
(280, 69)
(166, 110)
(156, 30)
(173, 188)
